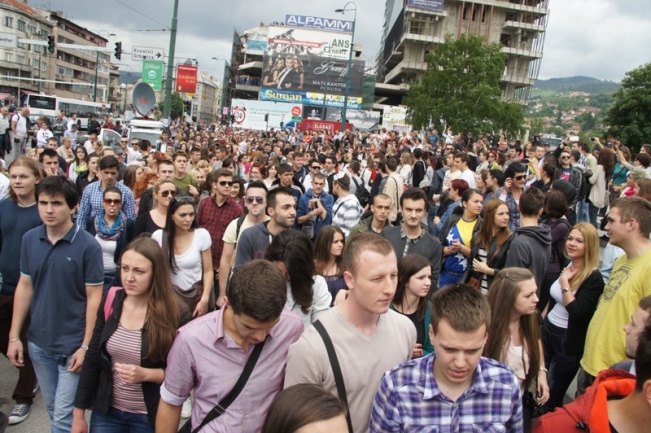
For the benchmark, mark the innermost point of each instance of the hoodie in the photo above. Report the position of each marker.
(530, 249)
(589, 413)
(252, 244)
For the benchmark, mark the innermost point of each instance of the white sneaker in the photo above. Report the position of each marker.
(187, 408)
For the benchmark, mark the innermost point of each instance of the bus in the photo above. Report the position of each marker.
(50, 106)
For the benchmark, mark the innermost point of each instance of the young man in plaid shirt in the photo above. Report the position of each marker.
(454, 388)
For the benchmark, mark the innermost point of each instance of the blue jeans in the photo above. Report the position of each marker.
(118, 421)
(58, 385)
(593, 211)
(582, 211)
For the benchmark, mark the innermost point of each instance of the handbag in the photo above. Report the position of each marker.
(336, 370)
(221, 407)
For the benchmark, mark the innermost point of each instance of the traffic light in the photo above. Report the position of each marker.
(50, 44)
(118, 50)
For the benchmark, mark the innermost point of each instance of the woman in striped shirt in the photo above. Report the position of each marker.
(126, 359)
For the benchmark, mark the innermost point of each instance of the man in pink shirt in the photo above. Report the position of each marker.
(210, 353)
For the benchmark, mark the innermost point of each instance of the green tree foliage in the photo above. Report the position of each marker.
(586, 120)
(461, 88)
(629, 118)
(176, 108)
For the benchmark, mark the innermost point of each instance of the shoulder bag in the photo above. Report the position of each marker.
(336, 370)
(221, 407)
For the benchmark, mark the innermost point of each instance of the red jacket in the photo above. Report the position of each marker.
(589, 412)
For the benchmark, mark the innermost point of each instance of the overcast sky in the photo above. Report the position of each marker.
(596, 38)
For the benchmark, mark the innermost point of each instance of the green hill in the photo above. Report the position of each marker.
(575, 84)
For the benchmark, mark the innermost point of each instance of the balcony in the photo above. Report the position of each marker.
(405, 67)
(524, 26)
(536, 11)
(523, 53)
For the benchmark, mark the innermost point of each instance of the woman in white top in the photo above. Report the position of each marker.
(43, 135)
(187, 249)
(307, 292)
(574, 298)
(405, 167)
(514, 334)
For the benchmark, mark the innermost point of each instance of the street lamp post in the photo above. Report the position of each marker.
(350, 62)
(97, 63)
(167, 105)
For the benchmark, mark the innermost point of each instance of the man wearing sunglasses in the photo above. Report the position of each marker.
(215, 214)
(255, 201)
(515, 177)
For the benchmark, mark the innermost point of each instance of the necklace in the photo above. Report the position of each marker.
(26, 205)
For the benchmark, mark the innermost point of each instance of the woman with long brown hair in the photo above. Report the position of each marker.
(514, 332)
(126, 358)
(600, 177)
(410, 299)
(643, 188)
(489, 252)
(328, 249)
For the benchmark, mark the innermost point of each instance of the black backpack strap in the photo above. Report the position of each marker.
(336, 370)
(240, 220)
(221, 407)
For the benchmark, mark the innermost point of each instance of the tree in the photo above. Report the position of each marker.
(176, 108)
(629, 118)
(461, 88)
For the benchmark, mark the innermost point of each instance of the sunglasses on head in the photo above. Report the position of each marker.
(184, 199)
(113, 201)
(258, 200)
(169, 192)
(522, 176)
(226, 182)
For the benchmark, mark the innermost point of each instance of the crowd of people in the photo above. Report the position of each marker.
(360, 281)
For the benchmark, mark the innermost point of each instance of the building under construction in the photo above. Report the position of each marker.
(412, 28)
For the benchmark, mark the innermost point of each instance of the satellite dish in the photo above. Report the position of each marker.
(144, 98)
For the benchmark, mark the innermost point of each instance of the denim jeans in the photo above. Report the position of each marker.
(593, 212)
(582, 211)
(118, 421)
(562, 367)
(58, 385)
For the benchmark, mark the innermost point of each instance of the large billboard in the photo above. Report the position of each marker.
(261, 115)
(256, 39)
(311, 67)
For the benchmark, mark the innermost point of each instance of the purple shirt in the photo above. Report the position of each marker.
(207, 360)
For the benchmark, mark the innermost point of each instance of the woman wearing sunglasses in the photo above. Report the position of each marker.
(163, 192)
(113, 231)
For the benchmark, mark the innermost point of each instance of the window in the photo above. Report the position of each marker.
(32, 29)
(36, 63)
(66, 72)
(9, 57)
(9, 21)
(22, 25)
(20, 59)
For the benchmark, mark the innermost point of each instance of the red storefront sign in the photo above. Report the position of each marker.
(186, 79)
(320, 125)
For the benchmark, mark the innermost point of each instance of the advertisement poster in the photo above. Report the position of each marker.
(311, 67)
(432, 5)
(186, 79)
(152, 74)
(362, 119)
(256, 39)
(311, 22)
(251, 114)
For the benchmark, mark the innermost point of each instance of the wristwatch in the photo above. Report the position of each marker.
(565, 290)
(84, 347)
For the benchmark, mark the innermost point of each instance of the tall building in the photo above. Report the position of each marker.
(75, 69)
(413, 28)
(203, 102)
(22, 61)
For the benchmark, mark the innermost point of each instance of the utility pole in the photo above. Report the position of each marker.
(170, 64)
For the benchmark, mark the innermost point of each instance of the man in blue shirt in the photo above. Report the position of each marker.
(454, 388)
(60, 286)
(91, 201)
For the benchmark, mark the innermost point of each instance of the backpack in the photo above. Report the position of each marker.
(362, 194)
(586, 186)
